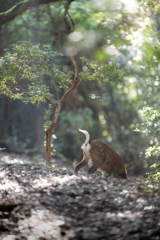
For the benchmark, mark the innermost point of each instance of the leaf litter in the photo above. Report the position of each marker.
(52, 203)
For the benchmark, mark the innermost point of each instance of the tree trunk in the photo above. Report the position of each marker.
(39, 125)
(57, 111)
(48, 146)
(49, 134)
(4, 117)
(61, 101)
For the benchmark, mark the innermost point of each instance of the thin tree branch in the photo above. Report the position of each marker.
(75, 82)
(66, 11)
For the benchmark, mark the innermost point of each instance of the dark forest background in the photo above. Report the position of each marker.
(124, 32)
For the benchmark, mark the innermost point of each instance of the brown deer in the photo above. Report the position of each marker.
(102, 158)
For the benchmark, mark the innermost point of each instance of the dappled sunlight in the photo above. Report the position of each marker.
(111, 50)
(130, 6)
(71, 51)
(42, 223)
(81, 39)
(7, 184)
(57, 203)
(140, 202)
(126, 214)
(103, 5)
(13, 158)
(2, 174)
(138, 39)
(58, 180)
(7, 159)
(75, 36)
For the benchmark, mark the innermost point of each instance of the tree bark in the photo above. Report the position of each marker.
(48, 146)
(21, 7)
(49, 134)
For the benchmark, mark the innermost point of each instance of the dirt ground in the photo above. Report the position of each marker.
(53, 203)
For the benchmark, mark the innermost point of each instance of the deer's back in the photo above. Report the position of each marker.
(111, 162)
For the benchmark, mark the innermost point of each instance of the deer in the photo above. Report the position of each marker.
(102, 158)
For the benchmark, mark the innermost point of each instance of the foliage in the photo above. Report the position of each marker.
(154, 176)
(105, 72)
(27, 71)
(151, 126)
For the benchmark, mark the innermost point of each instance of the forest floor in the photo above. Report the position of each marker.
(52, 203)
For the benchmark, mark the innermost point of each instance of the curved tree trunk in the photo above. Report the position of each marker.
(60, 103)
(49, 134)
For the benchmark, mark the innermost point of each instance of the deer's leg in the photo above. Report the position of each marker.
(83, 163)
(93, 169)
